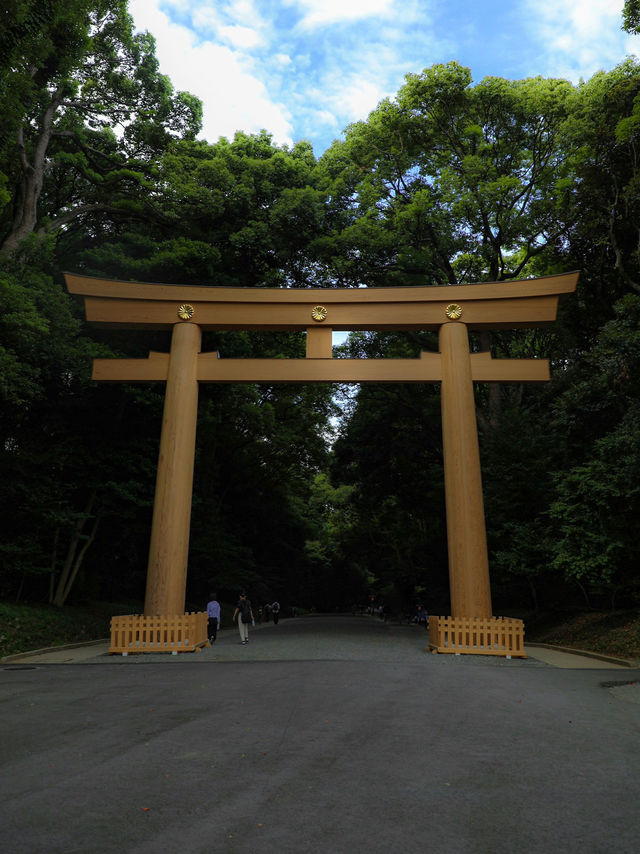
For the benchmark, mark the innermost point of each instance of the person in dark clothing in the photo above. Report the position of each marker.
(244, 615)
(275, 610)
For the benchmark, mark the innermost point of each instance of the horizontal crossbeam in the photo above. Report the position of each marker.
(427, 368)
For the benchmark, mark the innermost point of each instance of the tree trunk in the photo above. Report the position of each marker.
(613, 595)
(534, 594)
(54, 558)
(72, 563)
(78, 562)
(26, 216)
(21, 587)
(584, 593)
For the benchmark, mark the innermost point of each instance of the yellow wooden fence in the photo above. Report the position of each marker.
(476, 636)
(134, 633)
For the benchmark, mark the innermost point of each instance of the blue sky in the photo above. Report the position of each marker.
(304, 69)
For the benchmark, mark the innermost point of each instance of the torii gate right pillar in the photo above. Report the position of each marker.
(466, 533)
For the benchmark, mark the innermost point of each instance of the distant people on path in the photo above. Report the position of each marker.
(422, 617)
(213, 613)
(275, 610)
(244, 614)
(419, 615)
(267, 612)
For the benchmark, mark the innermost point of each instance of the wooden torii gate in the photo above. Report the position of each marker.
(452, 310)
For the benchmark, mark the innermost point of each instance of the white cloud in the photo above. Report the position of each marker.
(242, 37)
(307, 68)
(205, 19)
(234, 97)
(237, 100)
(282, 60)
(577, 37)
(240, 10)
(352, 97)
(325, 117)
(211, 18)
(324, 12)
(632, 45)
(245, 70)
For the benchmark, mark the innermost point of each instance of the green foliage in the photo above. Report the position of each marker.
(67, 85)
(259, 451)
(453, 182)
(603, 194)
(631, 16)
(339, 580)
(240, 213)
(518, 457)
(62, 441)
(389, 453)
(147, 202)
(598, 495)
(457, 183)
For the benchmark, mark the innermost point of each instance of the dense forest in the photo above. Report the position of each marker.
(318, 495)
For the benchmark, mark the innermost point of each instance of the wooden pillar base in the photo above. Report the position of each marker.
(477, 636)
(135, 634)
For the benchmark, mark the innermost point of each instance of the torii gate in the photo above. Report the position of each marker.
(452, 310)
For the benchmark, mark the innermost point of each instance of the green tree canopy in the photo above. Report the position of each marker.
(631, 16)
(86, 111)
(451, 182)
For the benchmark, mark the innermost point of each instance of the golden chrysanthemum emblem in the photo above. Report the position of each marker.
(185, 311)
(318, 312)
(453, 311)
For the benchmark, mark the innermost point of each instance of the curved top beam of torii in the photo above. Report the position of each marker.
(495, 305)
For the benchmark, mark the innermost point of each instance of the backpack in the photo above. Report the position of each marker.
(245, 612)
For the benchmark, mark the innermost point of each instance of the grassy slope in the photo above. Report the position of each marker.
(616, 633)
(27, 627)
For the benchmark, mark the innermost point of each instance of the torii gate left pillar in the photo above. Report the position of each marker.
(169, 547)
(469, 584)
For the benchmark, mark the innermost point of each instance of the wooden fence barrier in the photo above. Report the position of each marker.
(476, 636)
(180, 633)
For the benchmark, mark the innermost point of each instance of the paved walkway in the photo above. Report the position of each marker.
(334, 734)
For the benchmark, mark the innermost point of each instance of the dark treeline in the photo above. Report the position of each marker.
(318, 496)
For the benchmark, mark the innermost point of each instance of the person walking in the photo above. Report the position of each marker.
(213, 613)
(244, 614)
(422, 616)
(275, 610)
